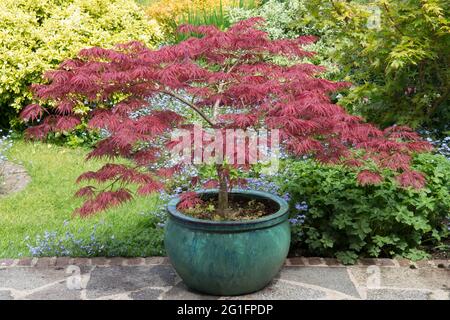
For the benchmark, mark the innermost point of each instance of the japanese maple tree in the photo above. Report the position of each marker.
(232, 81)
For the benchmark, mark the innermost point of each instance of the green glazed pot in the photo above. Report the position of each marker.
(228, 257)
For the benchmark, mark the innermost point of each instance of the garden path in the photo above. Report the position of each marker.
(154, 278)
(15, 178)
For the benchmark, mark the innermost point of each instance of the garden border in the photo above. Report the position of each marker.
(61, 262)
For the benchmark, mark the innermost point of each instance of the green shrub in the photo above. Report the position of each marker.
(395, 54)
(80, 136)
(36, 35)
(346, 220)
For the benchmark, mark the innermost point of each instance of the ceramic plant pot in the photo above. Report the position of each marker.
(228, 257)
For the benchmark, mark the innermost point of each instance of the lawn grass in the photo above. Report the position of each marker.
(41, 216)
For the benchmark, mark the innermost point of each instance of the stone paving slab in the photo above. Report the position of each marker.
(15, 177)
(155, 279)
(332, 279)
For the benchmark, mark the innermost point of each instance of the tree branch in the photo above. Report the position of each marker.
(388, 14)
(220, 88)
(191, 105)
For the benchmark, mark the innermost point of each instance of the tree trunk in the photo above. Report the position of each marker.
(223, 192)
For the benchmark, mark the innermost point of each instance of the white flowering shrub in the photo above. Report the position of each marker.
(290, 19)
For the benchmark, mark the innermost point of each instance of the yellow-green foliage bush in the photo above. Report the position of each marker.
(36, 35)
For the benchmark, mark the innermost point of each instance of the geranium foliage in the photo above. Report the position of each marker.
(233, 82)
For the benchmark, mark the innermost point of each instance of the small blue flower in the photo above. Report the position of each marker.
(301, 206)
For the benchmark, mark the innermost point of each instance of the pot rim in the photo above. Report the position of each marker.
(266, 221)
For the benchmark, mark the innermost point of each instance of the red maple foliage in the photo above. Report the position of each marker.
(411, 178)
(235, 84)
(366, 177)
(189, 200)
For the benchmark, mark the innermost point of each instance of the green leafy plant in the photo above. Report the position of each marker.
(81, 136)
(216, 15)
(396, 56)
(347, 220)
(38, 34)
(170, 14)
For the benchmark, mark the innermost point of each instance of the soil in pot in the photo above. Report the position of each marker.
(240, 208)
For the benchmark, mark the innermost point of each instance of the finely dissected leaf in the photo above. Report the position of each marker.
(226, 72)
